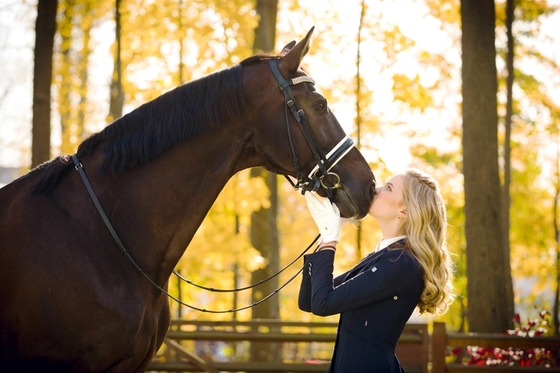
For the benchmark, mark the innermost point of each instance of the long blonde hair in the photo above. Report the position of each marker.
(426, 232)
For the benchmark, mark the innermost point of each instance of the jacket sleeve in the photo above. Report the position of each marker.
(304, 297)
(389, 276)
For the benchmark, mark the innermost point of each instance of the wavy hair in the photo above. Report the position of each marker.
(426, 232)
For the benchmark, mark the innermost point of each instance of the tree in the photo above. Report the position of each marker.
(487, 270)
(265, 33)
(535, 259)
(358, 111)
(45, 29)
(65, 71)
(71, 69)
(264, 222)
(117, 93)
(533, 111)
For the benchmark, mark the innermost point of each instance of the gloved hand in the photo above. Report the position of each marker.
(326, 216)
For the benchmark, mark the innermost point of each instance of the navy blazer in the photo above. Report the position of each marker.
(375, 300)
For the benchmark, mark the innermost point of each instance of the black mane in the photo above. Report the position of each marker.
(168, 120)
(160, 124)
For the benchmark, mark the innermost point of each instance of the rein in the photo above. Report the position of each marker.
(214, 290)
(80, 168)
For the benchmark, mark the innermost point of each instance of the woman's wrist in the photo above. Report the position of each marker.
(327, 246)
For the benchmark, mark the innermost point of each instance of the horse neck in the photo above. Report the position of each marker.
(166, 200)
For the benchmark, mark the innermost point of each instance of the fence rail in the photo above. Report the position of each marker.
(421, 348)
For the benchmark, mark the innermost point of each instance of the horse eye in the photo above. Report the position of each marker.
(320, 106)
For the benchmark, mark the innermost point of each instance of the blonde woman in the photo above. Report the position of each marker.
(409, 268)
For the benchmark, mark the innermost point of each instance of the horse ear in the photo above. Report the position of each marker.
(288, 46)
(291, 60)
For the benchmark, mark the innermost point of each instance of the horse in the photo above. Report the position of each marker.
(70, 301)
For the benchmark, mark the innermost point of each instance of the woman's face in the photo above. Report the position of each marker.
(388, 201)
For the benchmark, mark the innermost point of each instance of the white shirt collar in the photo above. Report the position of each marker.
(383, 243)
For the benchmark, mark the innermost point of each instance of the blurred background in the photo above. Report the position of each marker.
(391, 71)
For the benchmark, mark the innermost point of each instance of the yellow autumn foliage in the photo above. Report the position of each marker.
(167, 43)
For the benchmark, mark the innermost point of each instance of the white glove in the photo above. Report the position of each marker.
(326, 216)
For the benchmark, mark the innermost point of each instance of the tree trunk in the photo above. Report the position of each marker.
(265, 33)
(264, 226)
(65, 72)
(488, 298)
(117, 95)
(45, 28)
(87, 25)
(359, 114)
(264, 237)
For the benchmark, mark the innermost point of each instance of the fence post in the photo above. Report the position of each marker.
(439, 347)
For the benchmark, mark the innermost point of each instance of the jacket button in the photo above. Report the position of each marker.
(309, 268)
(395, 297)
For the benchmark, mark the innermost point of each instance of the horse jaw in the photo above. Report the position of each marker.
(346, 204)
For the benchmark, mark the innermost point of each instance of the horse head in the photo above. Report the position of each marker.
(298, 135)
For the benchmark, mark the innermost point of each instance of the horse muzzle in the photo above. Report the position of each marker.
(352, 205)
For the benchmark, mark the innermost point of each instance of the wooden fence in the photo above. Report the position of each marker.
(224, 346)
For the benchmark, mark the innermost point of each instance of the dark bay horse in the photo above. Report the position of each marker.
(69, 299)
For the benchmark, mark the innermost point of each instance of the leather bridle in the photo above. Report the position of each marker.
(318, 175)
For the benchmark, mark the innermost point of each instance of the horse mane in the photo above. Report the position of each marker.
(168, 120)
(159, 125)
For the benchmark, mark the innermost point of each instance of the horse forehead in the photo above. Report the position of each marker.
(306, 92)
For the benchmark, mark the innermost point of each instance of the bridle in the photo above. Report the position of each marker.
(313, 181)
(319, 174)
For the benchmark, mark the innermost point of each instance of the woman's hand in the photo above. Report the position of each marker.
(326, 216)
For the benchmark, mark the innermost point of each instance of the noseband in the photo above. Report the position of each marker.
(318, 175)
